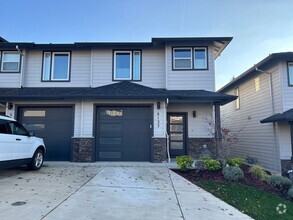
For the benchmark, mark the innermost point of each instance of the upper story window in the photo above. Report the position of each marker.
(256, 83)
(127, 65)
(10, 61)
(188, 58)
(237, 102)
(290, 73)
(56, 66)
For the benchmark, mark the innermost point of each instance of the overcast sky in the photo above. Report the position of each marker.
(259, 27)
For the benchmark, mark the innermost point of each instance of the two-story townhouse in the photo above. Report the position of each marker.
(263, 113)
(115, 101)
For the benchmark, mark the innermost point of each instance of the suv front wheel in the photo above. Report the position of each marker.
(37, 160)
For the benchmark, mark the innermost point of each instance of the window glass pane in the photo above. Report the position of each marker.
(176, 119)
(3, 128)
(34, 127)
(182, 53)
(176, 137)
(110, 140)
(176, 145)
(176, 128)
(10, 57)
(136, 65)
(46, 66)
(17, 128)
(183, 64)
(110, 155)
(290, 70)
(123, 66)
(200, 60)
(10, 61)
(112, 113)
(111, 127)
(60, 67)
(34, 113)
(256, 82)
(238, 99)
(11, 66)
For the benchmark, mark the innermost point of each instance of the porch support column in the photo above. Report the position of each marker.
(218, 133)
(291, 132)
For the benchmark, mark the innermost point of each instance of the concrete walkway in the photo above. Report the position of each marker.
(108, 191)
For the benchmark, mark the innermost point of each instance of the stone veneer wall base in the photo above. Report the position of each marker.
(159, 150)
(196, 147)
(82, 149)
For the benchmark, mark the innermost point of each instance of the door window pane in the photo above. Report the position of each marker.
(176, 136)
(34, 113)
(110, 155)
(123, 65)
(111, 127)
(112, 113)
(176, 128)
(110, 140)
(176, 119)
(176, 145)
(34, 127)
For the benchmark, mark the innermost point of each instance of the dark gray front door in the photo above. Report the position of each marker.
(123, 133)
(177, 133)
(54, 125)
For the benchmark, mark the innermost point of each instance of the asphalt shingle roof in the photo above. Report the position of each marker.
(280, 117)
(121, 90)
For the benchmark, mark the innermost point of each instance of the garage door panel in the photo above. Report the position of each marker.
(127, 132)
(54, 125)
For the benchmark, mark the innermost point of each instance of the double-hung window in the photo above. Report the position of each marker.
(56, 66)
(290, 73)
(10, 61)
(127, 65)
(237, 101)
(190, 58)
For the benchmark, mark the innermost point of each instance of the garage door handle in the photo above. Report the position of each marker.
(18, 139)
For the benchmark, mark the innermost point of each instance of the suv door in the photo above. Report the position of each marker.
(6, 141)
(23, 144)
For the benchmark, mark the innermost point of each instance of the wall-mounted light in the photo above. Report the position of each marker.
(194, 114)
(158, 105)
(10, 106)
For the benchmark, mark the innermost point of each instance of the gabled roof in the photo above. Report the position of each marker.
(219, 43)
(121, 90)
(251, 72)
(280, 117)
(2, 40)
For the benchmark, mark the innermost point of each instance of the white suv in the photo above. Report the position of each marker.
(18, 146)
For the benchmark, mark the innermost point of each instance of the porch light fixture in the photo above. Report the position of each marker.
(194, 114)
(158, 105)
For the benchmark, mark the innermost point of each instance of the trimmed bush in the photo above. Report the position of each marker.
(236, 162)
(233, 174)
(212, 164)
(258, 172)
(184, 162)
(290, 193)
(281, 183)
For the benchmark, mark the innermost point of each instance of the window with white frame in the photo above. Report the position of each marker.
(188, 58)
(56, 66)
(10, 61)
(256, 83)
(127, 65)
(237, 101)
(290, 73)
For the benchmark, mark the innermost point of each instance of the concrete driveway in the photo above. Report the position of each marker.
(106, 191)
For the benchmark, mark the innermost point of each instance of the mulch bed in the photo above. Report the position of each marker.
(196, 176)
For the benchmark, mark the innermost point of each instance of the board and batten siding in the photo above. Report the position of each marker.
(153, 68)
(191, 79)
(79, 71)
(198, 127)
(254, 138)
(287, 90)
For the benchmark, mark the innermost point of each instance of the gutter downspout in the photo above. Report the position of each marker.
(166, 133)
(273, 112)
(21, 67)
(91, 73)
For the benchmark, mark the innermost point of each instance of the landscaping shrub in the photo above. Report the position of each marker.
(203, 157)
(233, 174)
(235, 162)
(290, 193)
(212, 164)
(258, 172)
(184, 162)
(281, 183)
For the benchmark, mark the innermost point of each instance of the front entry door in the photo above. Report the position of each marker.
(177, 133)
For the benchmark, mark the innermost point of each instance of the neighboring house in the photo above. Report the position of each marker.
(115, 101)
(263, 112)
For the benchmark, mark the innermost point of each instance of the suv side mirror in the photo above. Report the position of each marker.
(30, 134)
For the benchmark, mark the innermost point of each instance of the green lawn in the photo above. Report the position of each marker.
(254, 202)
